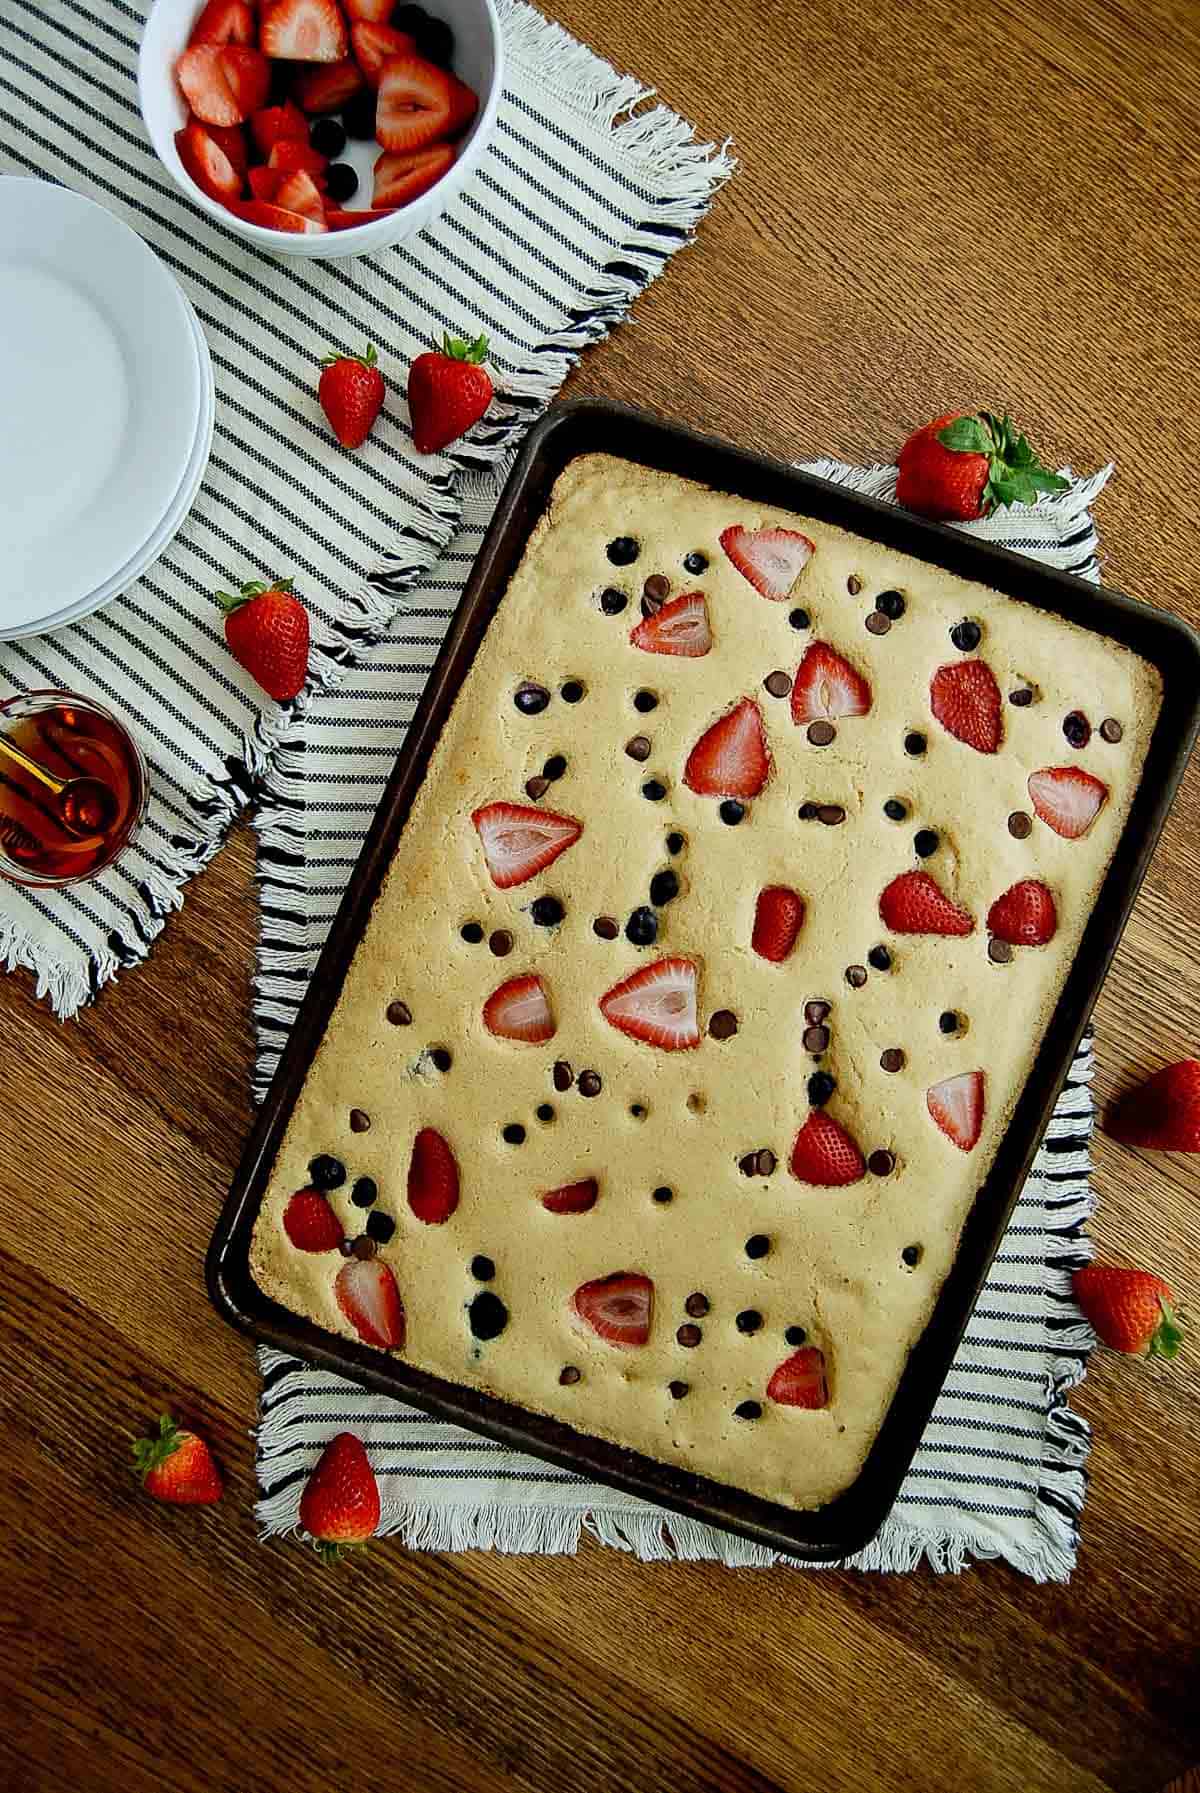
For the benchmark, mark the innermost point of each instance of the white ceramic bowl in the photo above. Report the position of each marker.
(478, 60)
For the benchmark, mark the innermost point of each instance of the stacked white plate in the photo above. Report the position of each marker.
(108, 405)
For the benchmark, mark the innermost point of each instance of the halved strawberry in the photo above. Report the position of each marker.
(1067, 799)
(519, 842)
(464, 104)
(730, 758)
(401, 177)
(416, 103)
(265, 182)
(299, 193)
(248, 74)
(825, 1154)
(207, 164)
(303, 31)
(771, 559)
(572, 1198)
(338, 220)
(327, 86)
(373, 44)
(432, 1178)
(914, 904)
(273, 217)
(290, 156)
(680, 627)
(273, 124)
(520, 1010)
(1024, 915)
(232, 139)
(656, 1004)
(778, 918)
(224, 22)
(310, 1223)
(377, 11)
(827, 687)
(223, 83)
(965, 699)
(957, 1106)
(800, 1380)
(617, 1308)
(366, 1292)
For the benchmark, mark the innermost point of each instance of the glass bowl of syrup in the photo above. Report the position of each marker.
(48, 841)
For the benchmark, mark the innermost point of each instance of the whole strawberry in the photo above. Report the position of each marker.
(340, 1503)
(962, 466)
(177, 1466)
(266, 627)
(448, 391)
(1130, 1309)
(1162, 1114)
(351, 393)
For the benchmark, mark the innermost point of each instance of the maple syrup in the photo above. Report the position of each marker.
(72, 738)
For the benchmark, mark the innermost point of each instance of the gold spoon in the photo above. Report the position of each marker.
(83, 805)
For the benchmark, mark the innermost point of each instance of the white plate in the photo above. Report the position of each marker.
(102, 397)
(141, 562)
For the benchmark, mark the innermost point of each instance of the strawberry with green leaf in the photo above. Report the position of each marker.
(176, 1466)
(448, 390)
(966, 465)
(266, 627)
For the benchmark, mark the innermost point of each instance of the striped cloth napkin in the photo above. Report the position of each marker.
(582, 198)
(1000, 1471)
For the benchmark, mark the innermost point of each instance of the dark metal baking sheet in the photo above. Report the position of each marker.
(849, 1521)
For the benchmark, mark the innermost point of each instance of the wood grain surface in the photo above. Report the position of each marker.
(937, 204)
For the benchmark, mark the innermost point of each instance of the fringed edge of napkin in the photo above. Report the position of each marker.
(686, 173)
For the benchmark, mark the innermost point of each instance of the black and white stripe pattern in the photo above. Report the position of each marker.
(1000, 1470)
(573, 210)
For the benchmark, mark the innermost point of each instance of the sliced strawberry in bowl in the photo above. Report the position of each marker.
(373, 44)
(771, 559)
(519, 842)
(680, 627)
(299, 193)
(223, 83)
(339, 220)
(778, 918)
(273, 217)
(957, 1105)
(800, 1380)
(520, 1010)
(310, 1223)
(303, 31)
(327, 86)
(1024, 915)
(730, 759)
(367, 1294)
(656, 1004)
(572, 1198)
(232, 139)
(273, 124)
(417, 103)
(375, 12)
(1067, 799)
(432, 1178)
(290, 156)
(825, 1154)
(224, 22)
(965, 699)
(914, 903)
(617, 1308)
(827, 688)
(265, 182)
(402, 177)
(207, 163)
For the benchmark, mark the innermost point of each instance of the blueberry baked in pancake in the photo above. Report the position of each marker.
(715, 953)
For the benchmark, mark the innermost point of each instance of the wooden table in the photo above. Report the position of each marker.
(937, 204)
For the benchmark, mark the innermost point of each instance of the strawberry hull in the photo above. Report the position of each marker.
(849, 1521)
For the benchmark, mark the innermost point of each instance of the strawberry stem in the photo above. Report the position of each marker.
(253, 588)
(1015, 474)
(368, 360)
(459, 349)
(150, 1453)
(1169, 1336)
